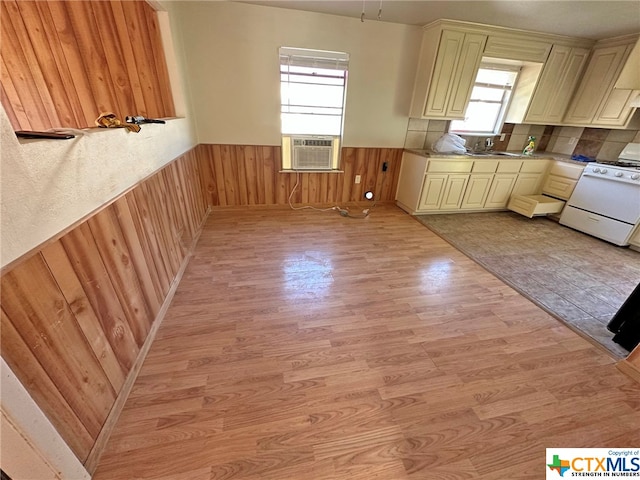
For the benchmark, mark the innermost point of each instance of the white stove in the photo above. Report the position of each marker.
(606, 200)
(629, 157)
(614, 172)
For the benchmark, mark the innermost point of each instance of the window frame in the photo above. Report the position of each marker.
(324, 61)
(504, 103)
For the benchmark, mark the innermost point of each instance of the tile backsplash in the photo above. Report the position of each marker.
(598, 143)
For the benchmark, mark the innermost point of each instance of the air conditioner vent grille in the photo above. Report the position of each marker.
(312, 153)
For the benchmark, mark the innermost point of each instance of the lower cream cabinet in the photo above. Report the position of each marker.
(432, 191)
(440, 184)
(454, 191)
(477, 191)
(500, 190)
(528, 184)
(562, 179)
(443, 192)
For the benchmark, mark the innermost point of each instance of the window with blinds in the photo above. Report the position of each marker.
(313, 86)
(489, 100)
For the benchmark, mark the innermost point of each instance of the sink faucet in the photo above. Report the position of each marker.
(488, 143)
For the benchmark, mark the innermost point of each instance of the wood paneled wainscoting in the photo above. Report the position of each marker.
(65, 63)
(79, 314)
(250, 175)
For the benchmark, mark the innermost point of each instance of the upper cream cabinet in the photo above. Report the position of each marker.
(447, 68)
(450, 57)
(596, 102)
(512, 46)
(559, 78)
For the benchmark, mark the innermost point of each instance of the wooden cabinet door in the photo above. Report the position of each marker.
(432, 191)
(500, 190)
(559, 78)
(411, 180)
(527, 184)
(454, 74)
(559, 187)
(476, 192)
(614, 111)
(443, 72)
(453, 192)
(465, 76)
(599, 77)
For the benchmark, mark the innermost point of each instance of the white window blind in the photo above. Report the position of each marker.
(312, 89)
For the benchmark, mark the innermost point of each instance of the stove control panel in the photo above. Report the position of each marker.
(615, 173)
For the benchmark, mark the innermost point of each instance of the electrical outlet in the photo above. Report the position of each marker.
(358, 178)
(502, 137)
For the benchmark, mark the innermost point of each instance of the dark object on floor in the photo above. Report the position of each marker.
(626, 323)
(36, 134)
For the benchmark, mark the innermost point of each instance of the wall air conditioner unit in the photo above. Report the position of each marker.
(312, 153)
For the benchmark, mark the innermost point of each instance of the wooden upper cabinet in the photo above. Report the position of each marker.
(596, 103)
(449, 62)
(65, 63)
(560, 75)
(514, 47)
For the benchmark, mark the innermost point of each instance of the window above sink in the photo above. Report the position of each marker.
(490, 97)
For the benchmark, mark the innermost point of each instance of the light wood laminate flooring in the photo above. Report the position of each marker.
(306, 345)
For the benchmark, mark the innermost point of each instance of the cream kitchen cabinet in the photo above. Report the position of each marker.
(562, 179)
(596, 103)
(411, 181)
(447, 68)
(517, 46)
(447, 189)
(444, 191)
(558, 80)
(453, 184)
(531, 177)
(477, 191)
(480, 180)
(500, 190)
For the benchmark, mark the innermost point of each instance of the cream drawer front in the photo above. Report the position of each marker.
(566, 170)
(560, 187)
(449, 166)
(534, 166)
(509, 166)
(485, 166)
(532, 205)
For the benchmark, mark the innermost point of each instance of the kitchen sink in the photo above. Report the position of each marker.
(493, 154)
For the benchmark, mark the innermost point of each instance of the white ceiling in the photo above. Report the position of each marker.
(594, 19)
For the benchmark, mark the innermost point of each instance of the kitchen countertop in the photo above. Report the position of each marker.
(510, 155)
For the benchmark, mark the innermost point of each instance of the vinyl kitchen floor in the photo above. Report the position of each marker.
(581, 280)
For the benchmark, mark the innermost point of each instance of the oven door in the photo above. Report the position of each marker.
(611, 198)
